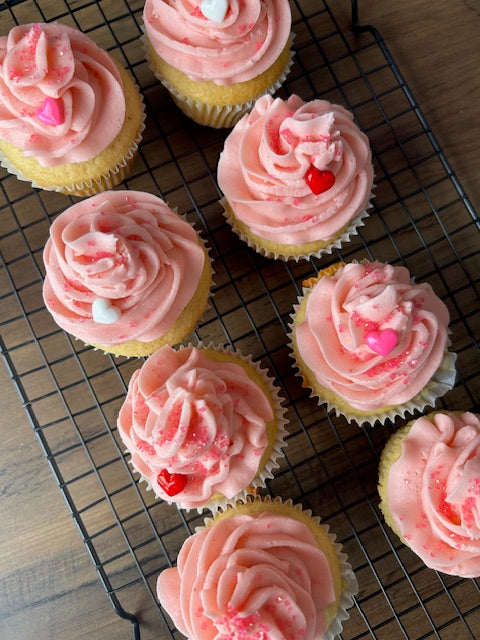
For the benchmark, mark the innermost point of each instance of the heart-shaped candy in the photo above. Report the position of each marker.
(319, 181)
(103, 312)
(51, 112)
(215, 10)
(382, 342)
(171, 483)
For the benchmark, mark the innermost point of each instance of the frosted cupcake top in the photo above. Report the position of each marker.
(238, 47)
(195, 425)
(120, 266)
(295, 172)
(61, 96)
(249, 576)
(372, 335)
(434, 492)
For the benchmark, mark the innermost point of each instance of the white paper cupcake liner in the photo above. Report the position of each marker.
(279, 443)
(216, 116)
(103, 182)
(349, 580)
(352, 230)
(442, 381)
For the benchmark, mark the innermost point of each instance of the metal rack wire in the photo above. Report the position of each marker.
(71, 393)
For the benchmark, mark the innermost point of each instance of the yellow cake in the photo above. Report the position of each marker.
(370, 343)
(214, 68)
(259, 568)
(125, 273)
(219, 425)
(296, 177)
(81, 136)
(429, 487)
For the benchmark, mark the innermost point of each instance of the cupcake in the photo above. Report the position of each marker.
(125, 273)
(216, 56)
(296, 176)
(371, 343)
(204, 426)
(71, 118)
(263, 569)
(429, 485)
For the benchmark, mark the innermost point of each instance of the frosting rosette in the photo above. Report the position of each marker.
(238, 48)
(261, 574)
(370, 335)
(61, 96)
(199, 424)
(120, 266)
(296, 172)
(433, 491)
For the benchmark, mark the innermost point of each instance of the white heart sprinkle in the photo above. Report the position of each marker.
(215, 10)
(104, 312)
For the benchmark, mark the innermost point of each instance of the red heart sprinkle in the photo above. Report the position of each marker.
(171, 483)
(319, 181)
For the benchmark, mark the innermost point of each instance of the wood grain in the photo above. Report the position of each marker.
(49, 588)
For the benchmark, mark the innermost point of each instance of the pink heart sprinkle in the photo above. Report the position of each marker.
(51, 112)
(382, 342)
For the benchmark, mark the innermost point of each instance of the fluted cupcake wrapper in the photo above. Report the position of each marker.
(218, 501)
(217, 116)
(104, 181)
(336, 243)
(349, 581)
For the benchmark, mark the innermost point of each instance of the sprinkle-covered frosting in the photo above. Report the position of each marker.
(296, 172)
(258, 577)
(243, 45)
(433, 492)
(61, 96)
(120, 266)
(372, 335)
(195, 426)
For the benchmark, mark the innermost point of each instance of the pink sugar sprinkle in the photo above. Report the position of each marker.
(475, 487)
(13, 74)
(145, 447)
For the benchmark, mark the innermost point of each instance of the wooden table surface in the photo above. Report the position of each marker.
(49, 588)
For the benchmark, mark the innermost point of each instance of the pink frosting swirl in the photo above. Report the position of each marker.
(244, 45)
(127, 248)
(265, 160)
(54, 61)
(343, 310)
(434, 492)
(201, 420)
(249, 576)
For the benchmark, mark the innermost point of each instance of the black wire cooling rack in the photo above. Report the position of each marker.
(421, 218)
